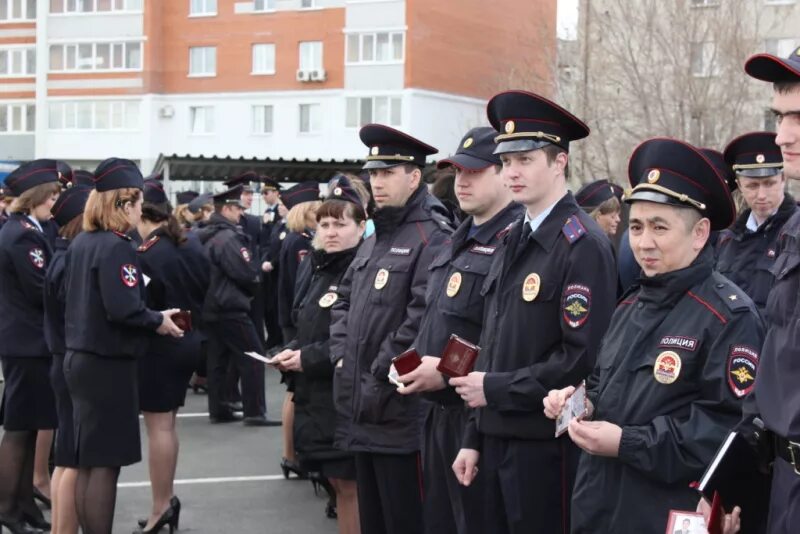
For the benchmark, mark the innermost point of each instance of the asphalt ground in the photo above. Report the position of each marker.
(228, 478)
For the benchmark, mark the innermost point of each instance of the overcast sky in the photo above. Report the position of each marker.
(567, 19)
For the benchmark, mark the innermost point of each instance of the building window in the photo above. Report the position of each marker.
(704, 59)
(17, 61)
(380, 109)
(17, 118)
(125, 56)
(262, 119)
(263, 59)
(310, 118)
(17, 10)
(306, 4)
(101, 115)
(264, 5)
(59, 7)
(381, 47)
(201, 119)
(311, 55)
(780, 47)
(202, 61)
(202, 8)
(705, 3)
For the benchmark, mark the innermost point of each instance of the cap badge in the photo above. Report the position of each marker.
(653, 176)
(327, 300)
(667, 367)
(510, 127)
(468, 142)
(374, 151)
(381, 278)
(797, 52)
(337, 192)
(530, 287)
(453, 285)
(760, 158)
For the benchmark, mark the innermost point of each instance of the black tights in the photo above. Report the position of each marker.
(17, 450)
(95, 498)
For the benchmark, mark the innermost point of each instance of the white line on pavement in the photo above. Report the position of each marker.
(185, 415)
(217, 480)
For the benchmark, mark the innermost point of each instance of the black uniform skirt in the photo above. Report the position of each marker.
(28, 401)
(64, 449)
(105, 399)
(165, 370)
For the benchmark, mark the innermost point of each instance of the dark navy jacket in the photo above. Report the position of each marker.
(54, 296)
(24, 256)
(295, 247)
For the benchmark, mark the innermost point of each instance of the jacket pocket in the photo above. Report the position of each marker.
(392, 281)
(377, 401)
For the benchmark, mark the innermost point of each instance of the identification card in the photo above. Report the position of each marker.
(575, 408)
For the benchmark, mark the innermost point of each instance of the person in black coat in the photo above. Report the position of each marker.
(68, 213)
(177, 269)
(341, 221)
(106, 330)
(28, 403)
(273, 215)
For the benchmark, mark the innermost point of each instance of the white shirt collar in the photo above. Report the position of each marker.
(36, 223)
(752, 224)
(537, 221)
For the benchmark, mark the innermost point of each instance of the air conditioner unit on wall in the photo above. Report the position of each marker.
(303, 75)
(318, 75)
(166, 112)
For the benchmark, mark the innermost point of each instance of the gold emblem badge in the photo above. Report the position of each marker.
(375, 151)
(510, 127)
(327, 300)
(797, 52)
(760, 158)
(653, 176)
(381, 278)
(530, 287)
(337, 192)
(467, 142)
(453, 285)
(667, 367)
(282, 236)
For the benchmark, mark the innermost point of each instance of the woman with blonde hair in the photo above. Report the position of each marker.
(601, 200)
(106, 330)
(28, 404)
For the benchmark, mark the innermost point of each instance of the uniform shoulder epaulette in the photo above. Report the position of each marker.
(27, 225)
(573, 229)
(121, 235)
(144, 247)
(442, 221)
(505, 231)
(734, 298)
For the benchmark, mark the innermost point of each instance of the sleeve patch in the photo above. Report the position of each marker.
(129, 275)
(576, 304)
(36, 255)
(573, 230)
(245, 254)
(742, 369)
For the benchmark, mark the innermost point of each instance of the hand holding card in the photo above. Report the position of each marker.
(576, 407)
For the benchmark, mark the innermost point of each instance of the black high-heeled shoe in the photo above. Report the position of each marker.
(291, 466)
(169, 519)
(175, 504)
(317, 480)
(42, 498)
(36, 520)
(18, 526)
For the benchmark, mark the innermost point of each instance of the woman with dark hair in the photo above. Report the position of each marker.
(68, 214)
(178, 274)
(28, 403)
(341, 221)
(106, 330)
(602, 201)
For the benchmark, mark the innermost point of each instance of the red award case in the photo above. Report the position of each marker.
(458, 357)
(183, 320)
(407, 362)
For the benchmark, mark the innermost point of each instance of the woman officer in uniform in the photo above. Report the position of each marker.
(179, 275)
(106, 330)
(28, 403)
(341, 221)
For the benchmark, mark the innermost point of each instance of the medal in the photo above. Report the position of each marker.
(327, 300)
(530, 287)
(381, 278)
(667, 367)
(453, 285)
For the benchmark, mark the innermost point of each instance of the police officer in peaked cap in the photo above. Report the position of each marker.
(601, 200)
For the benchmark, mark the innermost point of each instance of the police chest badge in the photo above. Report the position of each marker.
(282, 236)
(381, 278)
(129, 275)
(576, 305)
(530, 287)
(245, 254)
(742, 368)
(453, 285)
(36, 255)
(667, 367)
(327, 300)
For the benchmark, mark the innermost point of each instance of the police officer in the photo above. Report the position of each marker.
(601, 200)
(777, 394)
(549, 296)
(455, 306)
(746, 252)
(270, 193)
(106, 330)
(382, 299)
(680, 354)
(226, 312)
(28, 403)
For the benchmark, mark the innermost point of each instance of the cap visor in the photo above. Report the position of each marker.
(466, 161)
(770, 68)
(519, 145)
(764, 172)
(378, 164)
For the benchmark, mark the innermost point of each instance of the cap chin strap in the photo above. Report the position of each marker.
(657, 194)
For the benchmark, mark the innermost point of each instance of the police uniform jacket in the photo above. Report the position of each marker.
(377, 317)
(315, 415)
(267, 228)
(105, 296)
(681, 353)
(549, 299)
(746, 257)
(251, 226)
(24, 256)
(234, 274)
(54, 295)
(453, 296)
(294, 248)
